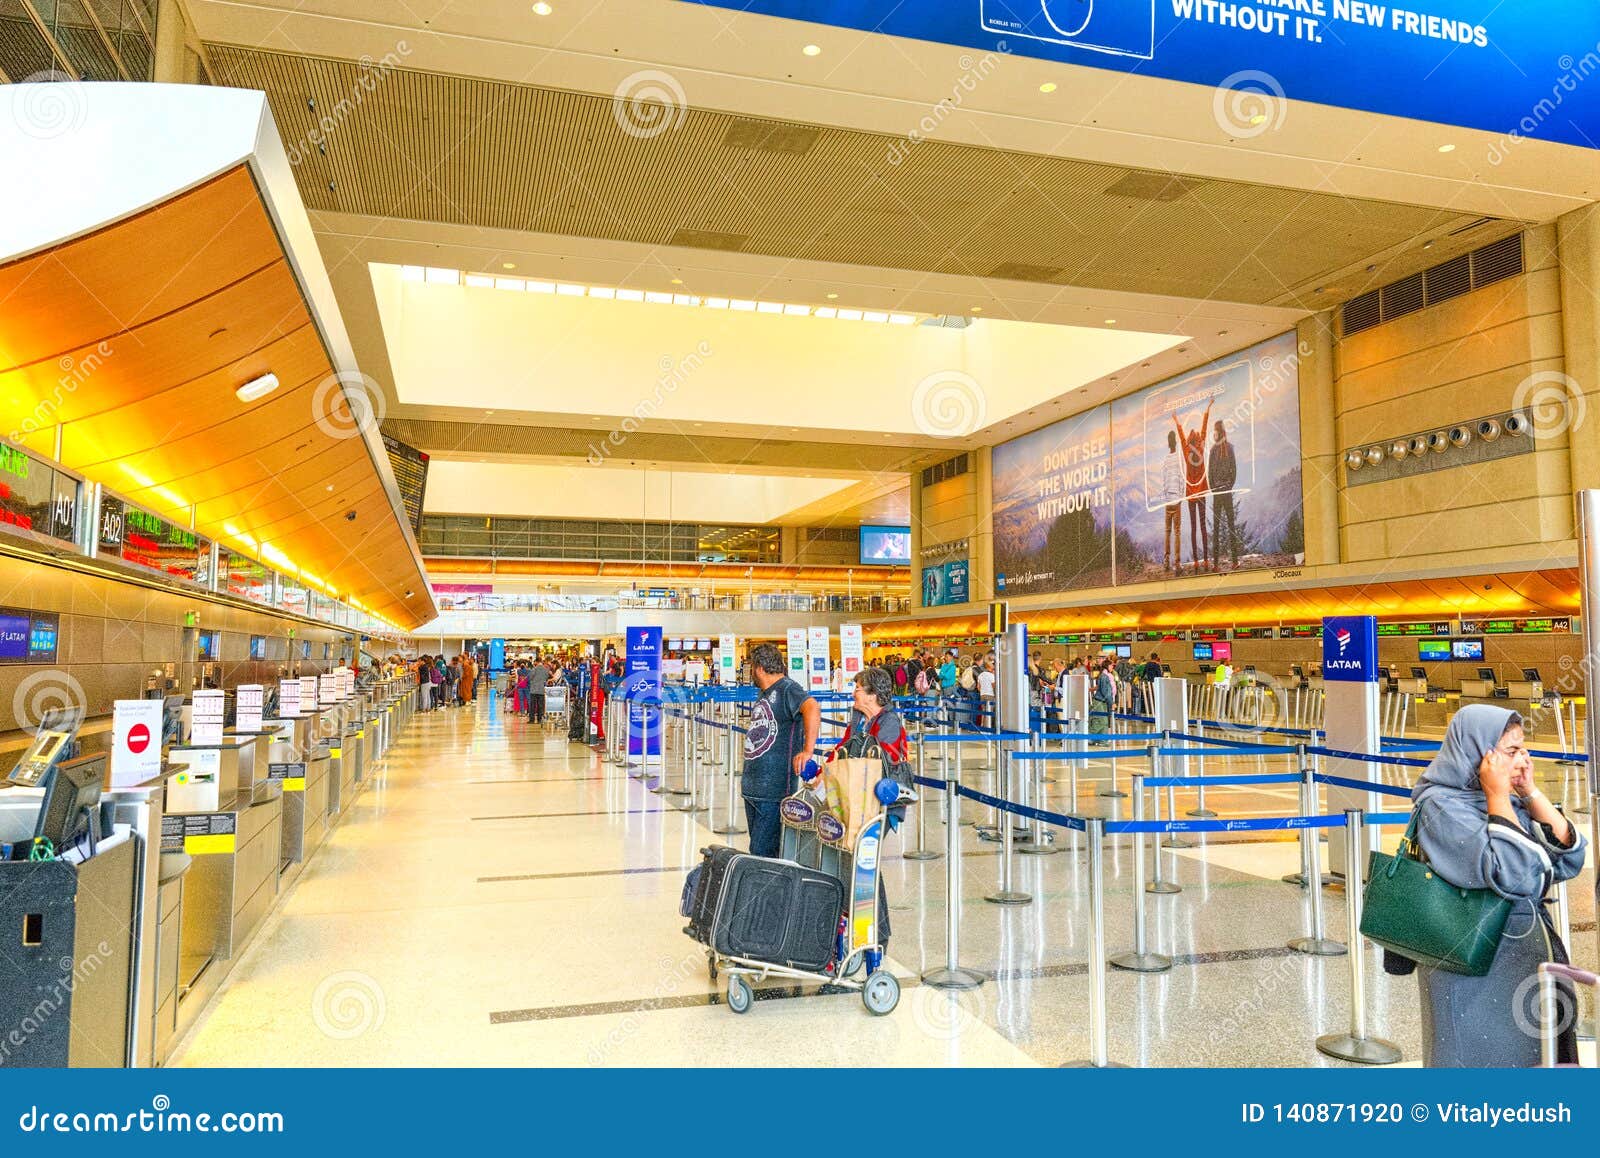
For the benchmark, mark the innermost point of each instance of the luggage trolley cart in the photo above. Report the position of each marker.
(557, 703)
(857, 946)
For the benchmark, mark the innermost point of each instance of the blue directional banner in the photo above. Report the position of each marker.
(1523, 70)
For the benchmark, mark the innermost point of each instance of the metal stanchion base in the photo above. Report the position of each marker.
(1368, 1051)
(675, 792)
(1141, 962)
(1032, 849)
(921, 854)
(1089, 1065)
(730, 830)
(1201, 813)
(957, 978)
(1115, 794)
(989, 832)
(1300, 879)
(1175, 841)
(1318, 947)
(1002, 897)
(696, 808)
(1162, 887)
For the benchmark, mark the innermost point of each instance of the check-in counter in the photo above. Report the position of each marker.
(255, 781)
(213, 774)
(229, 887)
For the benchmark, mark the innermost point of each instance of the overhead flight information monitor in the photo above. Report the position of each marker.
(410, 468)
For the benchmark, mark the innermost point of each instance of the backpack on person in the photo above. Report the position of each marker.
(968, 680)
(922, 682)
(900, 677)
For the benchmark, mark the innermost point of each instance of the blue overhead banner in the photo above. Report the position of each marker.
(1517, 69)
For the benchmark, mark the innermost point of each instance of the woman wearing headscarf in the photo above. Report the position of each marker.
(1482, 823)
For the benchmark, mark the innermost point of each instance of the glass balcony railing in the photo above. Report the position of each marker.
(749, 601)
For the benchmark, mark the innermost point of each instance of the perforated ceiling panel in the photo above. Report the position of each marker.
(461, 150)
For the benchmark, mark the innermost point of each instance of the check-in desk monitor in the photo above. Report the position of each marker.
(172, 720)
(1417, 684)
(1529, 687)
(1482, 688)
(71, 808)
(51, 743)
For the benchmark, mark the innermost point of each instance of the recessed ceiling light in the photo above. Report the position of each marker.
(257, 388)
(833, 297)
(812, 50)
(508, 265)
(1259, 119)
(1427, 245)
(977, 309)
(677, 281)
(1111, 321)
(542, 9)
(1048, 86)
(1447, 148)
(487, 413)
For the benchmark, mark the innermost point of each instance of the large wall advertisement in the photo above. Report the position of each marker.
(1196, 475)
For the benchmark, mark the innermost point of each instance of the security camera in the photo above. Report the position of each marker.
(1460, 436)
(1489, 429)
(349, 516)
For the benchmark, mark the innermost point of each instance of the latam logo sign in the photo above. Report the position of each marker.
(1350, 649)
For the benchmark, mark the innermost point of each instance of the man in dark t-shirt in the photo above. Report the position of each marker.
(782, 734)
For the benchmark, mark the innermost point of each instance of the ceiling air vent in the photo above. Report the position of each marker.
(709, 239)
(1142, 186)
(1497, 261)
(1471, 225)
(1448, 280)
(1403, 297)
(1362, 313)
(1021, 271)
(948, 321)
(771, 137)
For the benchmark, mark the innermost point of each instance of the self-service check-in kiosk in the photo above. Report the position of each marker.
(68, 887)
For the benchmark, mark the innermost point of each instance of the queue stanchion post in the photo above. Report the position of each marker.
(1314, 944)
(922, 851)
(1112, 792)
(953, 975)
(955, 799)
(1140, 959)
(1099, 1029)
(1158, 884)
(730, 826)
(1356, 1046)
(1040, 840)
(1173, 839)
(692, 762)
(1004, 894)
(1200, 811)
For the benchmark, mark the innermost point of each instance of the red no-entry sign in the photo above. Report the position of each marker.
(138, 738)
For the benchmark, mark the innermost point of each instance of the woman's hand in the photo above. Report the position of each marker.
(1522, 781)
(1494, 773)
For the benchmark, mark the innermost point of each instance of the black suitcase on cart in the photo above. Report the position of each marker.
(703, 887)
(766, 910)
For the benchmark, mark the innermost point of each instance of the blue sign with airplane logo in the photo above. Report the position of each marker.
(1350, 649)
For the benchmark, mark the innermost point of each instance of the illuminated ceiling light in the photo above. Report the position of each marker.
(658, 298)
(1259, 119)
(257, 388)
(850, 315)
(539, 9)
(797, 311)
(604, 295)
(435, 276)
(977, 309)
(677, 281)
(901, 319)
(1447, 148)
(826, 312)
(480, 280)
(1048, 86)
(571, 291)
(628, 295)
(812, 50)
(874, 316)
(716, 303)
(769, 308)
(685, 300)
(541, 287)
(511, 283)
(1111, 321)
(508, 265)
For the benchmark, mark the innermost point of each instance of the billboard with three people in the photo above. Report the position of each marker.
(1199, 474)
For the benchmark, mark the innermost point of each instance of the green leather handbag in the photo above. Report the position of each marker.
(1411, 910)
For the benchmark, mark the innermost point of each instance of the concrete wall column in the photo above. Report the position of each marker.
(1319, 438)
(916, 539)
(1578, 243)
(981, 567)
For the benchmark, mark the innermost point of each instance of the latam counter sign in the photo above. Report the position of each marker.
(1350, 649)
(1515, 69)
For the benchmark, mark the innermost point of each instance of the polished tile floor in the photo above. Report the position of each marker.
(498, 896)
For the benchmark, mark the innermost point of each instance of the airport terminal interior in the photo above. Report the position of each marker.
(430, 431)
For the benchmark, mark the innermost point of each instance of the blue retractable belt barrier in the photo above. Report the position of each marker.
(1107, 754)
(1370, 758)
(1259, 824)
(1363, 785)
(1023, 810)
(1221, 781)
(1579, 757)
(970, 737)
(941, 785)
(1251, 750)
(1377, 818)
(1103, 737)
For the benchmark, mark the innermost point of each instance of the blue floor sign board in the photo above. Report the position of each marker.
(1513, 69)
